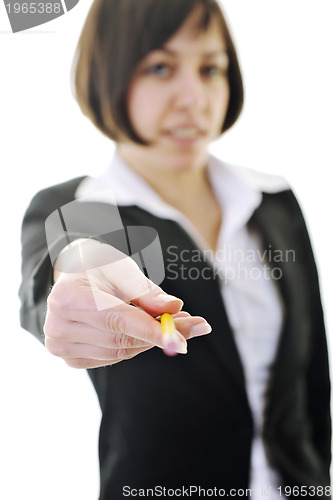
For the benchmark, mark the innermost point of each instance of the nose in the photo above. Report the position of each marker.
(190, 90)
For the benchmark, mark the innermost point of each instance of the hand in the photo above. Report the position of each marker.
(90, 322)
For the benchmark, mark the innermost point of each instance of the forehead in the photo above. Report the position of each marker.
(192, 33)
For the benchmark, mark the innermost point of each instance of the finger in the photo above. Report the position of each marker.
(127, 320)
(91, 352)
(76, 294)
(192, 326)
(94, 291)
(92, 363)
(126, 281)
(180, 314)
(74, 302)
(82, 363)
(78, 332)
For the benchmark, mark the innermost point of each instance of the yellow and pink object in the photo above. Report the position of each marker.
(169, 336)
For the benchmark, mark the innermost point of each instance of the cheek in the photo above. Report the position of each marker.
(220, 102)
(144, 107)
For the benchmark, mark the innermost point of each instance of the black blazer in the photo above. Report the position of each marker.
(181, 421)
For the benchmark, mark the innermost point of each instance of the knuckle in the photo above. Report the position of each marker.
(149, 335)
(58, 349)
(122, 341)
(49, 328)
(53, 347)
(115, 322)
(55, 334)
(52, 329)
(52, 301)
(114, 354)
(119, 354)
(141, 285)
(58, 298)
(107, 353)
(70, 294)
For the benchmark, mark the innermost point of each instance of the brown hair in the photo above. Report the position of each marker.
(116, 36)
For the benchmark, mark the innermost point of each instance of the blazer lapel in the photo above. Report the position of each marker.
(204, 299)
(276, 226)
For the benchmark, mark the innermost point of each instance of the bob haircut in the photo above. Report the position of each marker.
(116, 36)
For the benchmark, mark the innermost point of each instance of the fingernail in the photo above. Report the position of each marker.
(181, 348)
(166, 299)
(200, 329)
(172, 348)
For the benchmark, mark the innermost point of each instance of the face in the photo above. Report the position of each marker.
(179, 96)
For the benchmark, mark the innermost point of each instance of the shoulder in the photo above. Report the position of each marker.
(49, 199)
(65, 190)
(277, 200)
(254, 179)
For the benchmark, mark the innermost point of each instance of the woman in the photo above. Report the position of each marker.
(248, 405)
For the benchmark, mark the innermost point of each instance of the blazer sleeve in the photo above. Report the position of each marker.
(318, 374)
(37, 269)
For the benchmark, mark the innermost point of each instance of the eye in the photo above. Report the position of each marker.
(159, 69)
(212, 70)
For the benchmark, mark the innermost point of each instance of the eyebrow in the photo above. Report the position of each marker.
(205, 54)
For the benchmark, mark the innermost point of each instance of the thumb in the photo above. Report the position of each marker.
(123, 278)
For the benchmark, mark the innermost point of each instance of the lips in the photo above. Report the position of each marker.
(185, 132)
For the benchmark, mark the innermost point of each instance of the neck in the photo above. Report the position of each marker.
(186, 189)
(179, 187)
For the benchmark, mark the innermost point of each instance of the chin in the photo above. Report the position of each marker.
(189, 160)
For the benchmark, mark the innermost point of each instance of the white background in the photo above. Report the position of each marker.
(49, 412)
